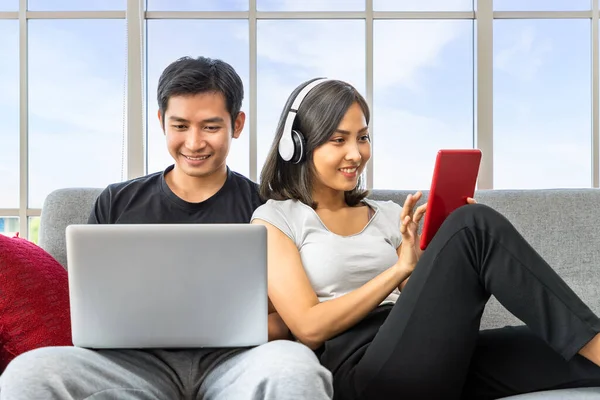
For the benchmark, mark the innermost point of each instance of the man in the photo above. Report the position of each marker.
(199, 111)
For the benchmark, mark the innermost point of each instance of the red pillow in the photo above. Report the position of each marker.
(34, 299)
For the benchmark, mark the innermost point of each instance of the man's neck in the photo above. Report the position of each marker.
(196, 189)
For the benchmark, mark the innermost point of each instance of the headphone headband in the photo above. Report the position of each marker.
(304, 92)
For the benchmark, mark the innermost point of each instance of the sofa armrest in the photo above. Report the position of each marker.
(61, 208)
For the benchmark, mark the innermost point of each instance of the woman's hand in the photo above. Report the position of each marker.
(409, 250)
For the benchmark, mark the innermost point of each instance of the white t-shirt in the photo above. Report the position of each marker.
(334, 264)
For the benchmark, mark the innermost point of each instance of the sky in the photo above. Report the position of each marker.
(423, 88)
(300, 5)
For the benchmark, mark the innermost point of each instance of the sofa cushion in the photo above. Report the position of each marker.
(561, 394)
(34, 299)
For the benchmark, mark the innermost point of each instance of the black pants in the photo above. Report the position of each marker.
(429, 346)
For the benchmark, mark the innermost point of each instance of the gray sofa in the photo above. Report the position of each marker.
(562, 225)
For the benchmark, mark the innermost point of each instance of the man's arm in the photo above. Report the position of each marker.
(101, 209)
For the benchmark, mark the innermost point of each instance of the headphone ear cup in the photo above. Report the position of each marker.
(299, 146)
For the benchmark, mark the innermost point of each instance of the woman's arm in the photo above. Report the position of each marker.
(404, 282)
(309, 320)
(411, 225)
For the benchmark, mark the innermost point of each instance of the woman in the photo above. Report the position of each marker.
(337, 262)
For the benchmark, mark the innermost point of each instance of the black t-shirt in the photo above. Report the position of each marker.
(149, 200)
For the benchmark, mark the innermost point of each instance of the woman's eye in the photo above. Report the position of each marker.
(338, 140)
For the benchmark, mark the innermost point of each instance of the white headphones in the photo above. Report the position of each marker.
(292, 144)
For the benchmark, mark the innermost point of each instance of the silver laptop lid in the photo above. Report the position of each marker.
(168, 286)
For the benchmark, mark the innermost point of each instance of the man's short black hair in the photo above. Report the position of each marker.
(191, 76)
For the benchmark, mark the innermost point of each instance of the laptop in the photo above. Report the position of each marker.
(168, 286)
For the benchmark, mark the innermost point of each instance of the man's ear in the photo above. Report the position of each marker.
(238, 124)
(160, 121)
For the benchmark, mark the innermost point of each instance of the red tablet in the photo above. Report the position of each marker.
(454, 179)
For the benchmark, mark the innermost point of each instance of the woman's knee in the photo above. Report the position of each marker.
(475, 214)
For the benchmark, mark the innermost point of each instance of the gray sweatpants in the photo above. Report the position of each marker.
(278, 370)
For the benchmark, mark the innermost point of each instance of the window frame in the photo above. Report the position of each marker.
(135, 130)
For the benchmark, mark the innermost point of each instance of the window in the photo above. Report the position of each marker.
(170, 39)
(423, 98)
(76, 104)
(542, 109)
(423, 5)
(422, 82)
(542, 5)
(310, 5)
(9, 114)
(76, 5)
(292, 52)
(197, 5)
(9, 5)
(34, 229)
(9, 226)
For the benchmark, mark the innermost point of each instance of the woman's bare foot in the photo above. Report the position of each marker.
(591, 350)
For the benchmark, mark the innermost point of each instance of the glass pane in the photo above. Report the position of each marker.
(196, 5)
(542, 5)
(34, 229)
(423, 5)
(542, 113)
(169, 40)
(76, 97)
(423, 98)
(9, 114)
(310, 5)
(9, 5)
(76, 5)
(334, 49)
(9, 226)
